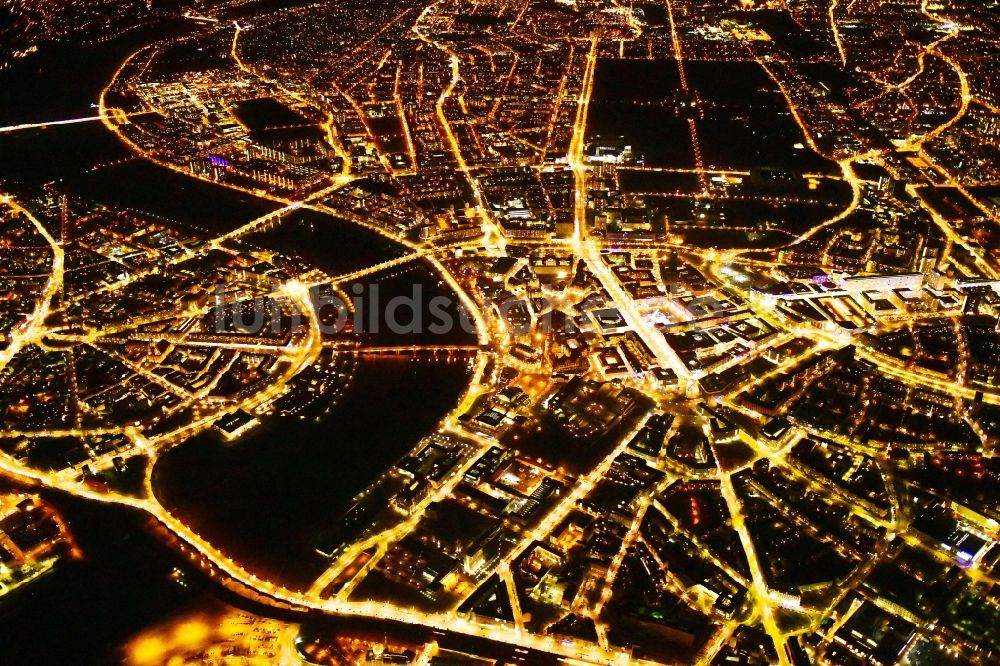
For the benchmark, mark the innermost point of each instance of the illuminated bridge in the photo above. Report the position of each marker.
(442, 352)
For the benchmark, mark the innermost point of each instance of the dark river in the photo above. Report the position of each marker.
(265, 498)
